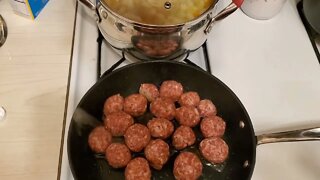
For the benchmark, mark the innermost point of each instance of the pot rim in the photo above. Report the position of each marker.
(191, 22)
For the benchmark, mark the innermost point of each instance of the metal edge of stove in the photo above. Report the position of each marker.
(73, 97)
(67, 97)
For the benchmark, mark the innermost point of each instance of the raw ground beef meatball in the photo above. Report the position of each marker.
(113, 104)
(160, 128)
(118, 155)
(137, 137)
(214, 149)
(213, 126)
(207, 108)
(157, 153)
(171, 89)
(189, 99)
(135, 105)
(163, 108)
(138, 169)
(188, 116)
(99, 139)
(187, 166)
(118, 122)
(183, 137)
(150, 91)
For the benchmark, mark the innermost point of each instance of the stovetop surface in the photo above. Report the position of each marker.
(270, 65)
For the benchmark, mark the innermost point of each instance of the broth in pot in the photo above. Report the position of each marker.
(160, 12)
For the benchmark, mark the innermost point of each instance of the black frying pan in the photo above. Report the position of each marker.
(239, 135)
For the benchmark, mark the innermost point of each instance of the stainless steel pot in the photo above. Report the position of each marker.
(311, 9)
(149, 42)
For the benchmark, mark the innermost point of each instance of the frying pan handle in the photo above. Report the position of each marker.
(310, 134)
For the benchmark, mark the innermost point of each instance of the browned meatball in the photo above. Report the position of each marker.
(183, 137)
(157, 153)
(135, 105)
(160, 128)
(113, 104)
(213, 126)
(137, 137)
(171, 89)
(138, 169)
(214, 149)
(150, 91)
(118, 155)
(187, 166)
(207, 108)
(99, 139)
(188, 116)
(118, 122)
(189, 99)
(163, 108)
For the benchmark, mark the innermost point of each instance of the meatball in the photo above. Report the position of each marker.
(189, 99)
(214, 149)
(207, 108)
(113, 104)
(138, 169)
(171, 89)
(137, 137)
(188, 116)
(99, 139)
(183, 137)
(160, 128)
(118, 155)
(118, 122)
(157, 153)
(213, 126)
(187, 166)
(150, 91)
(163, 108)
(135, 105)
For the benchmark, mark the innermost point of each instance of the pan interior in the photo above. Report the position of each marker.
(239, 133)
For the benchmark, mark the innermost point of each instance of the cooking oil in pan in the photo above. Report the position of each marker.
(218, 167)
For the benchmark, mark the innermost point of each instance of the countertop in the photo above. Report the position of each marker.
(34, 66)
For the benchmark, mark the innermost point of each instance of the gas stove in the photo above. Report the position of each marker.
(271, 65)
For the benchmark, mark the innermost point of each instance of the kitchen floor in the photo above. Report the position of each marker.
(34, 66)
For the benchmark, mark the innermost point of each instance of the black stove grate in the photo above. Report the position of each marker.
(311, 33)
(100, 39)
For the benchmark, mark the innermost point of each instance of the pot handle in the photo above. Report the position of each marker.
(88, 4)
(232, 7)
(3, 31)
(91, 6)
(310, 134)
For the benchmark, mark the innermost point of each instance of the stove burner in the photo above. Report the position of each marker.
(123, 59)
(311, 33)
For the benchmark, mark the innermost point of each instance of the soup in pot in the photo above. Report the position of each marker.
(160, 12)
